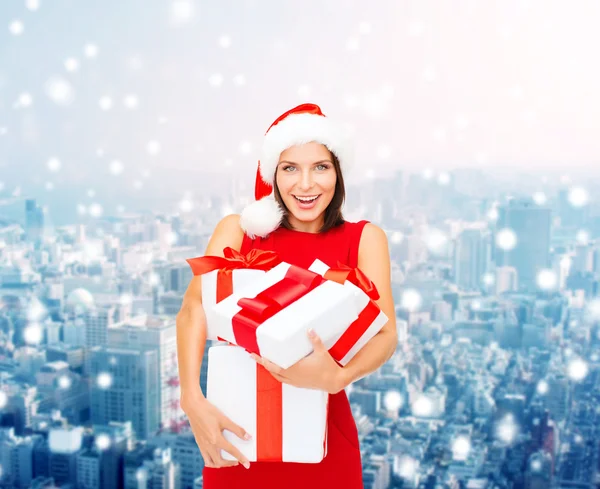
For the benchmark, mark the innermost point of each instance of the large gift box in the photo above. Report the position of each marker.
(271, 316)
(221, 275)
(370, 318)
(287, 423)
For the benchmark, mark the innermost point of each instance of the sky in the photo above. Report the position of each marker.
(171, 96)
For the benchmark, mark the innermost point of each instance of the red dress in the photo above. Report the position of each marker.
(341, 468)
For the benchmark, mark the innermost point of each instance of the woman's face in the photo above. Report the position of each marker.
(306, 180)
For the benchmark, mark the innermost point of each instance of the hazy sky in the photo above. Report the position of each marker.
(440, 83)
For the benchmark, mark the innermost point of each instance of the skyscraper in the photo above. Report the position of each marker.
(530, 224)
(125, 387)
(471, 258)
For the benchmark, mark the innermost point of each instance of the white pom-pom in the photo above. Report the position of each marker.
(261, 218)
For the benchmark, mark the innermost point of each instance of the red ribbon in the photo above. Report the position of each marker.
(269, 416)
(366, 317)
(297, 283)
(349, 338)
(233, 260)
(356, 276)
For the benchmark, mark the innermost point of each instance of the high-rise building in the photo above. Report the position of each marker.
(507, 280)
(34, 220)
(471, 258)
(157, 333)
(125, 387)
(530, 224)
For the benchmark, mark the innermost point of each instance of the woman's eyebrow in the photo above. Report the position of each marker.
(315, 163)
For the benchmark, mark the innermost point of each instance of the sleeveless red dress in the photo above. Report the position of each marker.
(341, 467)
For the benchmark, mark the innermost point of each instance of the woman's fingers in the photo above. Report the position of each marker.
(229, 448)
(208, 461)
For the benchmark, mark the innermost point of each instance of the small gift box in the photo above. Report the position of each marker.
(287, 424)
(271, 316)
(221, 275)
(370, 317)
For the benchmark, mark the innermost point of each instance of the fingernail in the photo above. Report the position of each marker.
(311, 332)
(247, 436)
(247, 465)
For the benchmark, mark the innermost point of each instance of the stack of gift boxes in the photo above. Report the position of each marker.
(256, 303)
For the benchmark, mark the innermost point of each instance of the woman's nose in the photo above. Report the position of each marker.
(306, 180)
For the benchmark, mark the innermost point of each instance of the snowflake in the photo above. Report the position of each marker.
(411, 300)
(96, 210)
(540, 198)
(392, 400)
(577, 369)
(104, 380)
(71, 65)
(224, 41)
(506, 239)
(578, 197)
(352, 44)
(181, 11)
(59, 91)
(423, 406)
(542, 387)
(16, 27)
(64, 382)
(25, 100)
(54, 164)
(90, 50)
(102, 441)
(131, 101)
(582, 237)
(116, 167)
(397, 237)
(105, 103)
(547, 279)
(32, 5)
(215, 80)
(33, 334)
(153, 148)
(461, 448)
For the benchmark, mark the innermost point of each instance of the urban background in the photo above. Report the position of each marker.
(129, 129)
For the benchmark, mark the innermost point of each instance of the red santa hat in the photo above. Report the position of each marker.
(300, 125)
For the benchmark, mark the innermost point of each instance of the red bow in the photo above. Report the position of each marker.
(254, 311)
(233, 260)
(354, 275)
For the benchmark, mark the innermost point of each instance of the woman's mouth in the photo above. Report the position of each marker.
(306, 202)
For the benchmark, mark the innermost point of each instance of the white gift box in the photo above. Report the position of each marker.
(328, 309)
(362, 300)
(232, 388)
(240, 278)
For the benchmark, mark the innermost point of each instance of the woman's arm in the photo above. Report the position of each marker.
(191, 320)
(374, 261)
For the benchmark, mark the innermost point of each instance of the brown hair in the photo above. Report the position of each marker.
(333, 213)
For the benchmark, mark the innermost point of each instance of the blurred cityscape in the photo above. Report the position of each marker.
(495, 383)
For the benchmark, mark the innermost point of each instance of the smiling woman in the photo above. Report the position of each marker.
(300, 192)
(309, 183)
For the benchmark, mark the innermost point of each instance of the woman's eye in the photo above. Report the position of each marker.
(286, 168)
(323, 167)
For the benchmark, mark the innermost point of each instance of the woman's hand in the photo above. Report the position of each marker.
(316, 371)
(207, 423)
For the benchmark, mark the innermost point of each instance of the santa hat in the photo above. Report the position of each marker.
(300, 125)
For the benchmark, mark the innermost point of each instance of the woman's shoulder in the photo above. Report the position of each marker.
(227, 233)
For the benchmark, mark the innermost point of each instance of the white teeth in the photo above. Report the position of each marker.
(304, 199)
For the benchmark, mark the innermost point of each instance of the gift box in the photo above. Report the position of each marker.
(287, 423)
(221, 275)
(370, 317)
(271, 316)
